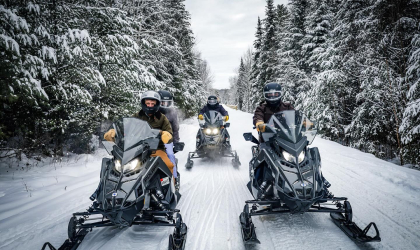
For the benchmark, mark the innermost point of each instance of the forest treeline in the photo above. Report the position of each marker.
(351, 65)
(67, 65)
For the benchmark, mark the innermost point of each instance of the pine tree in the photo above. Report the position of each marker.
(291, 64)
(256, 66)
(410, 126)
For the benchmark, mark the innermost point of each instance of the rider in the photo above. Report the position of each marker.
(150, 103)
(167, 108)
(213, 104)
(271, 105)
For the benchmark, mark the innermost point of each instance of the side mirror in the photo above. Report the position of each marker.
(251, 138)
(178, 146)
(227, 125)
(248, 136)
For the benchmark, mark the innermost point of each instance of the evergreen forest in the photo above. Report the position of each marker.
(351, 65)
(68, 65)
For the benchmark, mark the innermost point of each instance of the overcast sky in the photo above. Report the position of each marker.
(224, 29)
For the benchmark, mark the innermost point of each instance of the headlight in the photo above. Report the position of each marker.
(288, 157)
(301, 156)
(291, 158)
(207, 131)
(132, 165)
(215, 131)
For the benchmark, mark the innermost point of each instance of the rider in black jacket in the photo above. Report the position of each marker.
(213, 104)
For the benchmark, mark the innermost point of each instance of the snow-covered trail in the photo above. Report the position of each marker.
(213, 195)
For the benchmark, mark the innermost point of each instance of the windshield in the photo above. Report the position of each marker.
(292, 125)
(129, 132)
(213, 118)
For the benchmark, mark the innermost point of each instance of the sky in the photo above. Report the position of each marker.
(224, 29)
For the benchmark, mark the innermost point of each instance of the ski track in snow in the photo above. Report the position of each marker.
(213, 196)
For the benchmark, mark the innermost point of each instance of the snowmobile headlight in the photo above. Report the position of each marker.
(291, 158)
(132, 165)
(301, 156)
(215, 131)
(117, 164)
(207, 131)
(288, 157)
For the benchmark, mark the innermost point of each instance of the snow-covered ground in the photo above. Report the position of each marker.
(37, 202)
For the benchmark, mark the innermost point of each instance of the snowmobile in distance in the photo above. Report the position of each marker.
(213, 140)
(134, 189)
(285, 177)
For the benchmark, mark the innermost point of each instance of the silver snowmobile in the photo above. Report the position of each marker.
(134, 189)
(213, 140)
(285, 177)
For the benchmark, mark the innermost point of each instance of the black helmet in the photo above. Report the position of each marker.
(167, 99)
(212, 102)
(150, 95)
(272, 93)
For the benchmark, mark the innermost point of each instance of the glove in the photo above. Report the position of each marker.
(260, 126)
(200, 117)
(226, 118)
(166, 137)
(110, 135)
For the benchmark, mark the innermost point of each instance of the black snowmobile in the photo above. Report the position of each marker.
(213, 140)
(134, 189)
(286, 177)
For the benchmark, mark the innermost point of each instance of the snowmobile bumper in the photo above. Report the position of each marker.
(78, 228)
(202, 153)
(354, 231)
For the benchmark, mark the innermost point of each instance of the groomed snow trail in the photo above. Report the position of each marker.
(213, 195)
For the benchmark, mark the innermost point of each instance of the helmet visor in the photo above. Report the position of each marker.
(212, 102)
(167, 104)
(272, 95)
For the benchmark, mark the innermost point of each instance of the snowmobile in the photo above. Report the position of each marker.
(285, 177)
(134, 188)
(213, 140)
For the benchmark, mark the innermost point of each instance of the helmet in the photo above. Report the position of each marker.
(272, 93)
(150, 95)
(167, 99)
(212, 102)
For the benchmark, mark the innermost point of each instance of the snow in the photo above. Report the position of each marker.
(36, 202)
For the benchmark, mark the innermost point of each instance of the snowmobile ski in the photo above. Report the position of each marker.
(178, 239)
(354, 231)
(247, 227)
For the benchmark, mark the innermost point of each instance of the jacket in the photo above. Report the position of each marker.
(156, 121)
(172, 116)
(219, 108)
(264, 112)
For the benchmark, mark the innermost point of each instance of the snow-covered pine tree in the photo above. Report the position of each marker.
(410, 125)
(240, 86)
(185, 83)
(21, 93)
(256, 95)
(268, 46)
(247, 73)
(291, 65)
